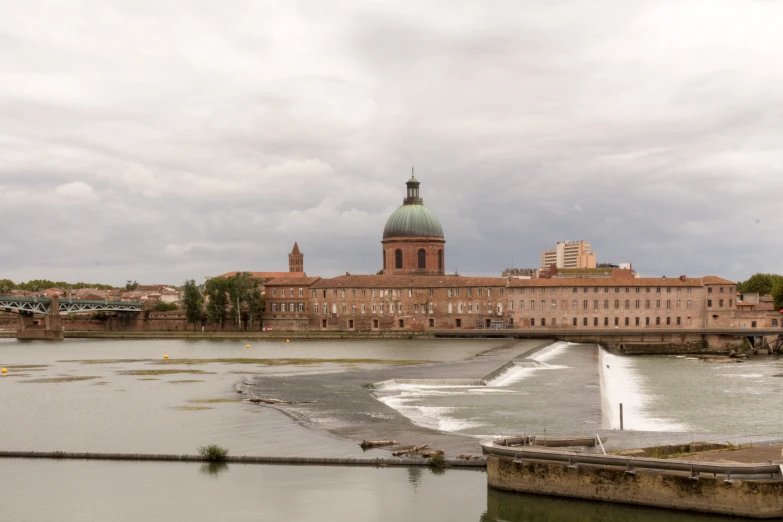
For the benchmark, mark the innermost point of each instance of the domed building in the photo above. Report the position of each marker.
(413, 241)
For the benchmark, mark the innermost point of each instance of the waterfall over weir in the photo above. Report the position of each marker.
(622, 383)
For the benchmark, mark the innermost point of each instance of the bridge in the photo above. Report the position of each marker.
(43, 305)
(53, 308)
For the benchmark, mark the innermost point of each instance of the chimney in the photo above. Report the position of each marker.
(682, 278)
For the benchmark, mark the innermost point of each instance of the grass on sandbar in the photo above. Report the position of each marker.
(12, 367)
(183, 381)
(160, 372)
(104, 361)
(190, 408)
(246, 360)
(149, 379)
(62, 379)
(215, 401)
(292, 362)
(100, 383)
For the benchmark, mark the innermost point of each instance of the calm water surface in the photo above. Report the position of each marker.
(71, 491)
(569, 389)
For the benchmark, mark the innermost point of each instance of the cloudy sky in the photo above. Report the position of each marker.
(160, 141)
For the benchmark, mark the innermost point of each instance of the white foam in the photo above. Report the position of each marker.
(621, 383)
(517, 373)
(551, 351)
(433, 417)
(404, 397)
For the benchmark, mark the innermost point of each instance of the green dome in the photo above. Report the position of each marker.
(412, 219)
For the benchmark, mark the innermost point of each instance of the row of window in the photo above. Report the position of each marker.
(720, 303)
(288, 307)
(626, 322)
(382, 307)
(354, 292)
(290, 292)
(597, 289)
(543, 305)
(455, 292)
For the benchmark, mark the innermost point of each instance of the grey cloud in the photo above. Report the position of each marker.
(211, 139)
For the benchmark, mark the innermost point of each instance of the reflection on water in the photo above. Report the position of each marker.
(214, 468)
(503, 506)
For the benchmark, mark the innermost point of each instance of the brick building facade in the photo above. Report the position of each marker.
(381, 302)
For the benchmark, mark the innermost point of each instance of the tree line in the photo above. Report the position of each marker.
(6, 285)
(229, 300)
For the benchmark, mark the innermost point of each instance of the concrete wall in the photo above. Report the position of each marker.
(757, 499)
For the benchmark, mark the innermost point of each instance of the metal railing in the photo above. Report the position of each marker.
(631, 463)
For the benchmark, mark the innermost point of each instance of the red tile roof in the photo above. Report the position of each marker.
(266, 275)
(604, 281)
(286, 281)
(715, 280)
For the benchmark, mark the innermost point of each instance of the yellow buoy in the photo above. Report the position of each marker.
(288, 340)
(165, 356)
(5, 371)
(248, 346)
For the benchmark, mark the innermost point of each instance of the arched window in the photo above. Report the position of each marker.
(753, 324)
(384, 259)
(440, 259)
(422, 258)
(398, 258)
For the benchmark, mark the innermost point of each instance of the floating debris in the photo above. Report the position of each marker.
(367, 444)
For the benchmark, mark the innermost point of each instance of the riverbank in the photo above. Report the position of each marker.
(272, 336)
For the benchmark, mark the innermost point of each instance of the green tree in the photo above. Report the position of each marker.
(777, 294)
(6, 285)
(760, 283)
(256, 305)
(165, 307)
(216, 295)
(193, 302)
(131, 285)
(245, 297)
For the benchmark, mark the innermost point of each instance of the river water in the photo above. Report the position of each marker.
(96, 395)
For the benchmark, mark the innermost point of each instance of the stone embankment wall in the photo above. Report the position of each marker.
(756, 498)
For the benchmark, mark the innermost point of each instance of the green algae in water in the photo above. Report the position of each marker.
(190, 408)
(162, 372)
(57, 380)
(104, 361)
(293, 362)
(12, 367)
(215, 401)
(183, 381)
(245, 360)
